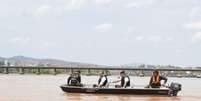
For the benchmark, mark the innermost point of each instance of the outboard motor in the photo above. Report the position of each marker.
(174, 89)
(175, 86)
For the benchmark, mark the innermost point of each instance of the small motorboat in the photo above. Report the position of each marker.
(171, 90)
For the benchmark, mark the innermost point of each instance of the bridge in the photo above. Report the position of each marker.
(141, 71)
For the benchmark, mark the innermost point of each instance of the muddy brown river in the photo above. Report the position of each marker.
(15, 87)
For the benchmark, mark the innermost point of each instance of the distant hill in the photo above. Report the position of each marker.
(153, 66)
(1, 58)
(22, 58)
(28, 61)
(133, 65)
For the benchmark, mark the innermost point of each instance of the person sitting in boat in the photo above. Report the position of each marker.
(124, 80)
(102, 81)
(74, 79)
(155, 80)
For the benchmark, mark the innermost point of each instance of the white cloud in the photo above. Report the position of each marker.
(57, 8)
(160, 39)
(43, 10)
(196, 12)
(106, 27)
(150, 39)
(139, 3)
(139, 38)
(131, 5)
(20, 40)
(169, 39)
(179, 51)
(46, 44)
(52, 9)
(103, 2)
(194, 25)
(75, 4)
(155, 39)
(196, 36)
(131, 29)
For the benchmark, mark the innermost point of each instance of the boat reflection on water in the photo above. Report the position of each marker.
(110, 97)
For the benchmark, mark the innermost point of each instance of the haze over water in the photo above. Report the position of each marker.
(46, 88)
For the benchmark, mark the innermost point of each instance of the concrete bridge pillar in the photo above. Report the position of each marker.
(6, 71)
(21, 70)
(141, 74)
(55, 71)
(89, 71)
(38, 71)
(71, 71)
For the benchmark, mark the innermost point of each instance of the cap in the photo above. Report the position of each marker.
(122, 72)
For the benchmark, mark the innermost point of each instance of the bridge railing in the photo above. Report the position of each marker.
(55, 70)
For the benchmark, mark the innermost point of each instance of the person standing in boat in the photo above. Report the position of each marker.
(155, 80)
(102, 81)
(124, 80)
(74, 79)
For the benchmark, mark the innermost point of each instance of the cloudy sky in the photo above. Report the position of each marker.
(108, 32)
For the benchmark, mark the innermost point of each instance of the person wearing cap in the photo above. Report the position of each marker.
(155, 80)
(102, 81)
(74, 79)
(124, 80)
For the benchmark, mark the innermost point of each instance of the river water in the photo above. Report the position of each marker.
(46, 88)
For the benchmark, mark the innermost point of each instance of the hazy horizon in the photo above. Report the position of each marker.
(124, 64)
(104, 32)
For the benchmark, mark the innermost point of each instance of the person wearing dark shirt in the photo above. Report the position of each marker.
(74, 79)
(155, 80)
(124, 80)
